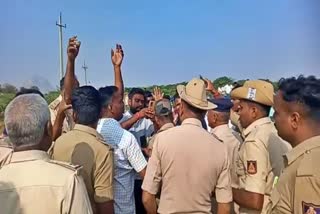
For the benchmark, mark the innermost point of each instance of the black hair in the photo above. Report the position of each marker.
(305, 91)
(29, 91)
(147, 94)
(264, 108)
(106, 94)
(166, 97)
(86, 104)
(62, 84)
(135, 91)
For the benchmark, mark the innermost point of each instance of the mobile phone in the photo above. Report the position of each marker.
(151, 105)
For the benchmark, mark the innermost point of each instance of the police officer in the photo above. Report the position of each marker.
(297, 118)
(218, 120)
(29, 181)
(254, 166)
(187, 162)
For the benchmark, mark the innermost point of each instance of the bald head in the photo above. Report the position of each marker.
(26, 118)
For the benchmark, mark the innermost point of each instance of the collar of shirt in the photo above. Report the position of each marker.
(29, 155)
(192, 121)
(302, 148)
(220, 131)
(54, 104)
(88, 130)
(166, 126)
(256, 123)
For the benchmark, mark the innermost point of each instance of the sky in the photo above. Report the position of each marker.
(166, 41)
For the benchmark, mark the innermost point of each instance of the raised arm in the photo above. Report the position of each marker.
(70, 79)
(117, 56)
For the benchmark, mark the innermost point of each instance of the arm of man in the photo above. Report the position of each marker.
(152, 180)
(103, 182)
(149, 202)
(135, 118)
(117, 58)
(69, 80)
(135, 156)
(58, 124)
(256, 163)
(223, 191)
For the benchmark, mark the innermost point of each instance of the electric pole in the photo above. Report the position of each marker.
(60, 25)
(85, 67)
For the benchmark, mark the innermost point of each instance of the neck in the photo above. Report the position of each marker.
(306, 134)
(220, 123)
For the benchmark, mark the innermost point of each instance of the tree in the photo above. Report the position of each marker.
(222, 81)
(8, 88)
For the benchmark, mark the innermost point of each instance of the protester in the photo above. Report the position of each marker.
(30, 175)
(254, 165)
(128, 157)
(136, 120)
(182, 155)
(297, 118)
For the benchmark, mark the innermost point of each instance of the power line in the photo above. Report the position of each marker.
(60, 25)
(85, 68)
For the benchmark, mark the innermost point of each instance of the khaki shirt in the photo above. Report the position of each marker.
(298, 189)
(163, 128)
(191, 165)
(253, 164)
(229, 138)
(31, 183)
(68, 122)
(84, 146)
(6, 151)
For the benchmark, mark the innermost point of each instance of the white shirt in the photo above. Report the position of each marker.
(143, 128)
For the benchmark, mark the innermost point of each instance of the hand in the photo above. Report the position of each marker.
(141, 114)
(150, 114)
(63, 106)
(157, 94)
(210, 86)
(73, 48)
(117, 55)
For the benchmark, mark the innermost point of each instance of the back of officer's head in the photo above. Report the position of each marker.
(86, 105)
(305, 92)
(27, 121)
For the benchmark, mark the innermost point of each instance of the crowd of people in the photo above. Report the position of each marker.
(196, 152)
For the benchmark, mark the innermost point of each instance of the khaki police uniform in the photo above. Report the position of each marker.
(162, 129)
(84, 146)
(255, 165)
(68, 122)
(298, 188)
(188, 163)
(5, 150)
(33, 184)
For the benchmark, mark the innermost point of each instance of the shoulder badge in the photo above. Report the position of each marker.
(309, 208)
(251, 167)
(70, 166)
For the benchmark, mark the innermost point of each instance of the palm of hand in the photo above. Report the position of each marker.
(117, 59)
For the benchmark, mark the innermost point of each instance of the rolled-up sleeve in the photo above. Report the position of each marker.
(223, 188)
(153, 177)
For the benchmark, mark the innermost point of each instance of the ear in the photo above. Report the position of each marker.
(295, 120)
(129, 102)
(214, 117)
(48, 130)
(254, 112)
